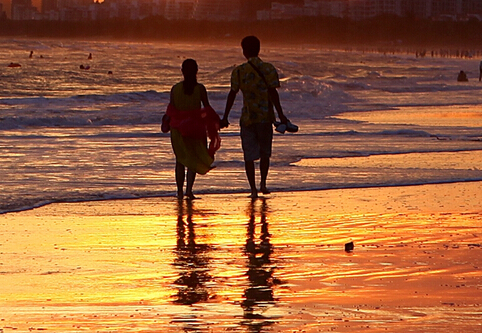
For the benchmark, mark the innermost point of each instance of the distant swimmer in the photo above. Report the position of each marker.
(462, 77)
(90, 56)
(14, 64)
(480, 71)
(31, 55)
(110, 72)
(84, 67)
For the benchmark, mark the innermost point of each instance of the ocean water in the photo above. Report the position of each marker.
(366, 119)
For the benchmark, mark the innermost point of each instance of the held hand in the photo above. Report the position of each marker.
(223, 123)
(283, 119)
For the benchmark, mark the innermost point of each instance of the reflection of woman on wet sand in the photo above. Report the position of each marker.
(191, 260)
(259, 293)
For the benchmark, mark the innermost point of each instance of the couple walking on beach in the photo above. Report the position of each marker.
(190, 124)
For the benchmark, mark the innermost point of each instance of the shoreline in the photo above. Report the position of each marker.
(172, 194)
(324, 30)
(440, 49)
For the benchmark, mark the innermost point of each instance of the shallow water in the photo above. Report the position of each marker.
(68, 134)
(231, 264)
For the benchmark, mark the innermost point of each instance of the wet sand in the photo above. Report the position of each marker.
(225, 263)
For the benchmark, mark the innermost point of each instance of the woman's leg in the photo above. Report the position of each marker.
(180, 174)
(191, 176)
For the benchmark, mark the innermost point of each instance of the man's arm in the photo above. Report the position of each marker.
(229, 104)
(274, 97)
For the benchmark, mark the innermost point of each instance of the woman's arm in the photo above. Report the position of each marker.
(171, 96)
(204, 96)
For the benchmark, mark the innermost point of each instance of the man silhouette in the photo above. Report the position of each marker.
(258, 81)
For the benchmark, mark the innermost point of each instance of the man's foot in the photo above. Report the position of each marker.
(190, 196)
(264, 190)
(254, 194)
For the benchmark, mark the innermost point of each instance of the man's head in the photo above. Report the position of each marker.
(251, 46)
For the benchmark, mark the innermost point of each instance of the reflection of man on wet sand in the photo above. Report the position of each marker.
(259, 292)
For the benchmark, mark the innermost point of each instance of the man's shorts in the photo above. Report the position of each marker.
(256, 140)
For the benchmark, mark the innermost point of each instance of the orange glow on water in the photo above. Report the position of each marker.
(439, 116)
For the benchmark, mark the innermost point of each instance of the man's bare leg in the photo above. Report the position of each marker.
(249, 167)
(264, 168)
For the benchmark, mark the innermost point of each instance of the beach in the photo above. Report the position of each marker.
(387, 160)
(226, 263)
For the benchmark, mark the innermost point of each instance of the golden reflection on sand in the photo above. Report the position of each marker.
(227, 263)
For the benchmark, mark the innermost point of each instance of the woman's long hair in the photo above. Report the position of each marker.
(189, 71)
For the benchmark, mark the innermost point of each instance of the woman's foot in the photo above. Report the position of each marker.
(254, 194)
